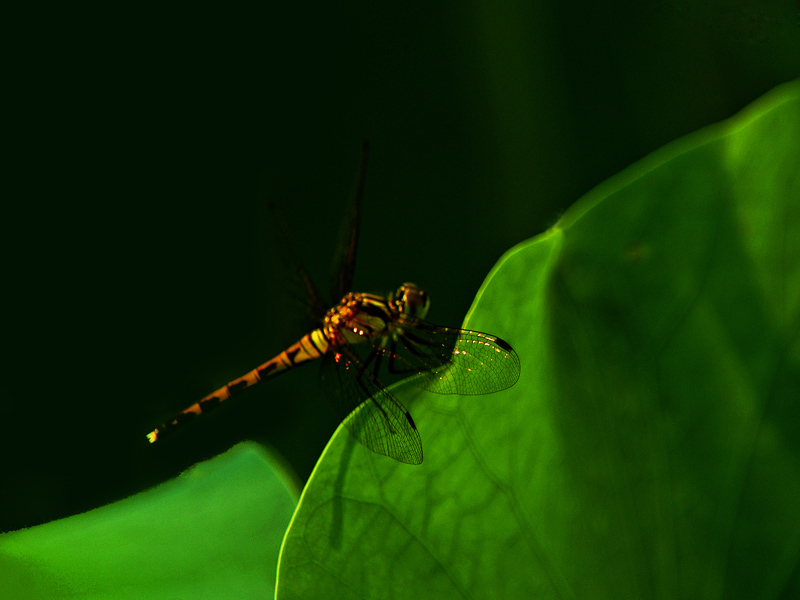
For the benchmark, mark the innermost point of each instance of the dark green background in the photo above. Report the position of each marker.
(139, 264)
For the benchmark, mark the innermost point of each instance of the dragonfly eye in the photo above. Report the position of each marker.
(413, 301)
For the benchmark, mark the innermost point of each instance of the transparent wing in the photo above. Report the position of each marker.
(371, 413)
(452, 361)
(295, 278)
(344, 259)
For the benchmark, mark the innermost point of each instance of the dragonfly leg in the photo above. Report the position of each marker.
(393, 368)
(365, 364)
(377, 366)
(373, 356)
(376, 357)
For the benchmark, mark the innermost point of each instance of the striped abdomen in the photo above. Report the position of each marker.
(311, 346)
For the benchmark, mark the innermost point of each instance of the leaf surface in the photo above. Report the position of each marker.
(214, 532)
(651, 448)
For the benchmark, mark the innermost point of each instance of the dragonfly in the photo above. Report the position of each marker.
(366, 335)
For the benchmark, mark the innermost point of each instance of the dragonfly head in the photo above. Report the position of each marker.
(412, 301)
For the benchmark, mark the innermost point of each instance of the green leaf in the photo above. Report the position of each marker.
(651, 448)
(214, 532)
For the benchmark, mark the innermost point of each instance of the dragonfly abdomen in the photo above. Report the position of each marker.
(309, 347)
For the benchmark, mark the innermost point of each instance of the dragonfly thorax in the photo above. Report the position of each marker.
(359, 317)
